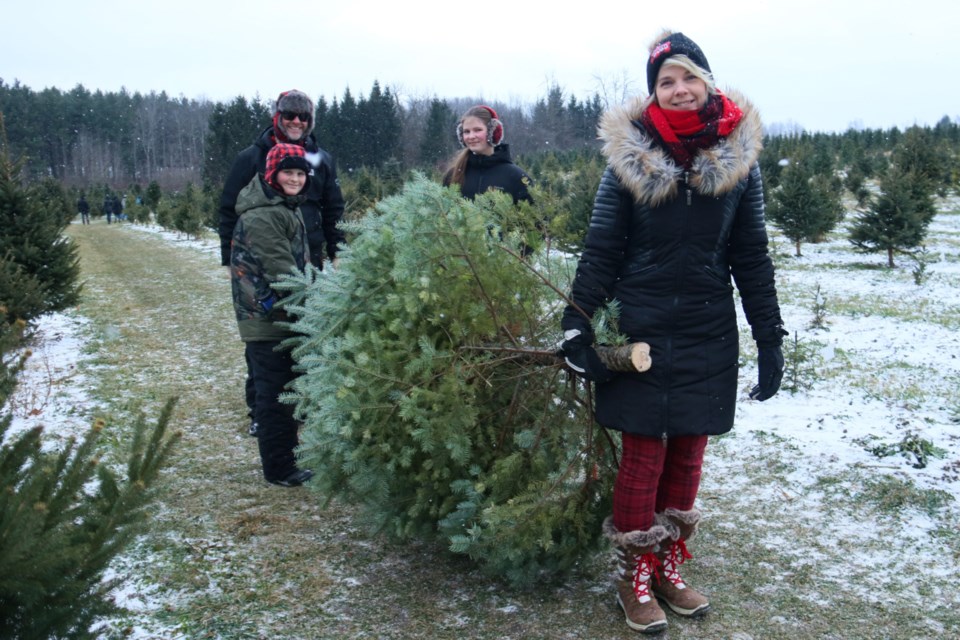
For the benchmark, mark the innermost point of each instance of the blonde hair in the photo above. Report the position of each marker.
(685, 62)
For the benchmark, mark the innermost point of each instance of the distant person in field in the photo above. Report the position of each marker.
(107, 207)
(84, 208)
(322, 208)
(677, 222)
(117, 208)
(269, 240)
(485, 163)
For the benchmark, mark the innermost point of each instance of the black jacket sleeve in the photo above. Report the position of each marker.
(603, 251)
(751, 266)
(241, 173)
(331, 207)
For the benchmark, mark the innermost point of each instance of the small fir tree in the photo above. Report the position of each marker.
(418, 398)
(138, 212)
(438, 142)
(153, 195)
(570, 187)
(190, 212)
(63, 518)
(924, 156)
(855, 183)
(805, 206)
(166, 212)
(921, 258)
(819, 308)
(33, 251)
(802, 360)
(897, 219)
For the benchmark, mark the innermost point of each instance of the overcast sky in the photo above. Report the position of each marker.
(821, 64)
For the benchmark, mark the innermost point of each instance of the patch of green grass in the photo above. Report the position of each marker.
(887, 386)
(877, 494)
(893, 496)
(857, 306)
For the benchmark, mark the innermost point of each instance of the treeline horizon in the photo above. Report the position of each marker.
(121, 139)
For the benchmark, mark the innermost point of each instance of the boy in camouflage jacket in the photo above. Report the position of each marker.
(268, 241)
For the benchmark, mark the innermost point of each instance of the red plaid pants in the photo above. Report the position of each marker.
(655, 475)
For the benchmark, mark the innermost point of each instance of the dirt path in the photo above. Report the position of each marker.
(225, 544)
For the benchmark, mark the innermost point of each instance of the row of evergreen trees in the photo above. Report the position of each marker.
(105, 140)
(806, 179)
(83, 138)
(805, 188)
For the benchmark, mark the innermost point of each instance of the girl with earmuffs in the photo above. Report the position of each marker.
(484, 163)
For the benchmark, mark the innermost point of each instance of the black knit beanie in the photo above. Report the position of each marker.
(672, 45)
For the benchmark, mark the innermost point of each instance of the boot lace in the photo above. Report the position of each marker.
(675, 557)
(646, 568)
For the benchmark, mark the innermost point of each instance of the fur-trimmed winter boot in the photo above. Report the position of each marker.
(682, 600)
(636, 566)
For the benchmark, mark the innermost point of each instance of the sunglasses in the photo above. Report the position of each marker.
(290, 115)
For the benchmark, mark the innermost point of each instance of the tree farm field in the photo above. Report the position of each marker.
(829, 512)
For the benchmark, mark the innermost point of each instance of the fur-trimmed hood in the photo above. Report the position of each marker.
(651, 175)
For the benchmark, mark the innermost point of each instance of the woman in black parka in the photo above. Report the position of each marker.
(484, 163)
(678, 218)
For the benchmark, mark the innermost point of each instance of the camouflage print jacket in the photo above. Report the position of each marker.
(268, 241)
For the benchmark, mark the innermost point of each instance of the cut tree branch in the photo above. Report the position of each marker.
(633, 357)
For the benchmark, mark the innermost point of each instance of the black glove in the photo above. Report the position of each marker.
(770, 363)
(582, 358)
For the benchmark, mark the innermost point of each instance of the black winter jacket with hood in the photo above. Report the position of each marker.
(322, 208)
(665, 243)
(496, 171)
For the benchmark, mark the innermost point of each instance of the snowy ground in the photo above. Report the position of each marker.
(882, 378)
(52, 389)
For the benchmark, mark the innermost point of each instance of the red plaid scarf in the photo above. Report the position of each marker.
(683, 133)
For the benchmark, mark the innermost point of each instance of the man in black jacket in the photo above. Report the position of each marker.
(322, 209)
(84, 208)
(117, 208)
(107, 206)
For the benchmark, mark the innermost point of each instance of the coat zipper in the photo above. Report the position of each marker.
(666, 407)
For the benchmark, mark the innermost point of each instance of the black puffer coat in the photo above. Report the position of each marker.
(496, 171)
(322, 208)
(665, 243)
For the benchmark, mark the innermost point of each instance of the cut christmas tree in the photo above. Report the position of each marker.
(426, 396)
